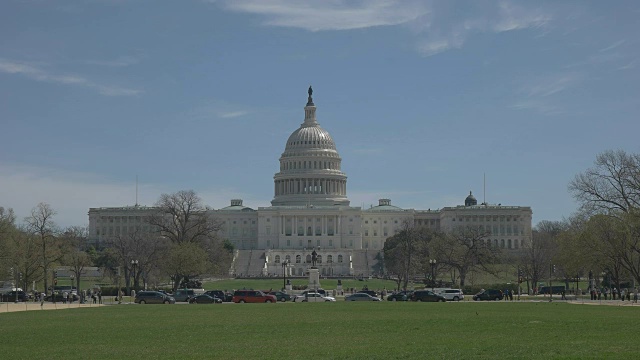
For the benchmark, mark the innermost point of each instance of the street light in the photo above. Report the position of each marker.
(134, 265)
(72, 277)
(433, 264)
(284, 274)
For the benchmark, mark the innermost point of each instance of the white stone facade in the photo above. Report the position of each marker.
(310, 210)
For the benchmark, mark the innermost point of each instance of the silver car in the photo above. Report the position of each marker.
(361, 297)
(313, 297)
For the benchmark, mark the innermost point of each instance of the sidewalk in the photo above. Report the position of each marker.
(35, 306)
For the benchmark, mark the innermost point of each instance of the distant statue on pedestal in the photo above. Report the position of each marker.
(314, 254)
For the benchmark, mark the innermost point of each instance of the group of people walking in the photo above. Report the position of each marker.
(614, 294)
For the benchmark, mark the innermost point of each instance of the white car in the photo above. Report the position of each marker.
(313, 297)
(451, 294)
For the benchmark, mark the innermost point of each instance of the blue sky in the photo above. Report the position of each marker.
(421, 97)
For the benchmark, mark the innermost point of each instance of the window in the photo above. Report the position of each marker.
(339, 258)
(319, 259)
(298, 259)
(385, 231)
(277, 259)
(329, 258)
(287, 258)
(330, 242)
(366, 232)
(268, 230)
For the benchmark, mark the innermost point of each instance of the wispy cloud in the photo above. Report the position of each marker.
(448, 28)
(121, 61)
(541, 94)
(612, 46)
(39, 74)
(233, 114)
(319, 15)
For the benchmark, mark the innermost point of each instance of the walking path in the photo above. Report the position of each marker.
(33, 306)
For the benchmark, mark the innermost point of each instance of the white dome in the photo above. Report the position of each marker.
(310, 167)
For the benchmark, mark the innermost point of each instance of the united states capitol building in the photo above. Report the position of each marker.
(311, 211)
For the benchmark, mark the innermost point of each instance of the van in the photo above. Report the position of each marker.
(185, 294)
(451, 294)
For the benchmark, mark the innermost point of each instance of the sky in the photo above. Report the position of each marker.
(426, 100)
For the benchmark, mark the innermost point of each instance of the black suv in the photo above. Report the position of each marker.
(400, 296)
(427, 296)
(11, 296)
(153, 297)
(224, 296)
(489, 294)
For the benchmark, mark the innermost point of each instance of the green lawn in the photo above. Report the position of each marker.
(329, 330)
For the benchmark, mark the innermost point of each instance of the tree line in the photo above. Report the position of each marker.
(600, 241)
(182, 245)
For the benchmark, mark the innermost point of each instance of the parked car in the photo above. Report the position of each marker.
(427, 296)
(11, 296)
(370, 292)
(153, 297)
(400, 296)
(281, 296)
(224, 296)
(361, 297)
(252, 296)
(451, 294)
(313, 297)
(185, 294)
(204, 299)
(489, 294)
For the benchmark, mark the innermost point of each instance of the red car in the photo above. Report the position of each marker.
(252, 296)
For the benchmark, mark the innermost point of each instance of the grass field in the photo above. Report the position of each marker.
(329, 330)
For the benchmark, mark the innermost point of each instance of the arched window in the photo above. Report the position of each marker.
(339, 258)
(309, 233)
(300, 230)
(509, 243)
(329, 258)
(308, 259)
(502, 243)
(277, 259)
(287, 258)
(319, 259)
(298, 259)
(515, 243)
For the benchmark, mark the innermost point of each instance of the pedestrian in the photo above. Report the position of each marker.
(99, 297)
(563, 297)
(64, 297)
(635, 296)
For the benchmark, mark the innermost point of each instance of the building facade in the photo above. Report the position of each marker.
(310, 211)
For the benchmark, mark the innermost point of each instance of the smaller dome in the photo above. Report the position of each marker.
(236, 205)
(470, 200)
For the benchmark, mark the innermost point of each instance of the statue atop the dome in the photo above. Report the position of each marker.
(310, 99)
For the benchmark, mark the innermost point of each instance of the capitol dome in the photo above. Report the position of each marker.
(310, 166)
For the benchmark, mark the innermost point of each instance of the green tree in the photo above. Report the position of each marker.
(184, 261)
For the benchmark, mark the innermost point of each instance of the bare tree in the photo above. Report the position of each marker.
(181, 218)
(76, 256)
(612, 185)
(7, 231)
(465, 249)
(41, 225)
(404, 252)
(144, 248)
(538, 253)
(612, 188)
(25, 259)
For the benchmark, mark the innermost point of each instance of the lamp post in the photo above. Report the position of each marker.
(433, 263)
(72, 277)
(284, 274)
(134, 265)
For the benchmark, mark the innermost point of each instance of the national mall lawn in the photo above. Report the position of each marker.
(355, 330)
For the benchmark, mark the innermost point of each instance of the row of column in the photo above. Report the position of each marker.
(310, 186)
(324, 224)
